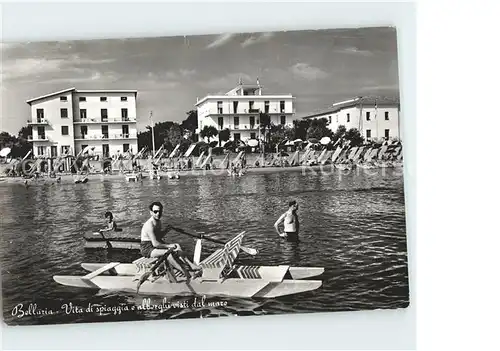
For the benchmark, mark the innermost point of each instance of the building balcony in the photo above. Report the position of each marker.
(103, 120)
(38, 138)
(38, 121)
(249, 127)
(97, 137)
(249, 112)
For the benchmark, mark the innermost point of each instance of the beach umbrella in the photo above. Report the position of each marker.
(298, 141)
(5, 151)
(290, 143)
(88, 148)
(253, 142)
(325, 141)
(313, 140)
(283, 142)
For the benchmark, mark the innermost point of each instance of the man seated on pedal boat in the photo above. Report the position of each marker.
(152, 244)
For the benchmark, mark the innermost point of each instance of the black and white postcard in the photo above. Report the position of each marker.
(216, 175)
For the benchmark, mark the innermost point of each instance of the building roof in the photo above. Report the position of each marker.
(77, 91)
(357, 101)
(50, 95)
(231, 93)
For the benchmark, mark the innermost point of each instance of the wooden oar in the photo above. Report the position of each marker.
(248, 250)
(108, 244)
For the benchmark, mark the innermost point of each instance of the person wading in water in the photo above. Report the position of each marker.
(290, 221)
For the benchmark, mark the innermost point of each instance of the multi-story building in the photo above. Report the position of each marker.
(68, 121)
(239, 110)
(375, 118)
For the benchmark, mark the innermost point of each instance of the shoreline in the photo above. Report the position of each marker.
(93, 177)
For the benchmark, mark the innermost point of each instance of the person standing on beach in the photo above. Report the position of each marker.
(290, 221)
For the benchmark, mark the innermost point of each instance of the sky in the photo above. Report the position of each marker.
(318, 67)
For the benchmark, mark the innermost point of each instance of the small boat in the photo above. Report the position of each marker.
(134, 177)
(154, 175)
(239, 271)
(219, 277)
(172, 175)
(343, 166)
(81, 180)
(366, 165)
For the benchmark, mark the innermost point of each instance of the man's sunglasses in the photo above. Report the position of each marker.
(156, 211)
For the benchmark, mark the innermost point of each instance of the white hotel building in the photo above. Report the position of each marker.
(375, 118)
(239, 109)
(70, 120)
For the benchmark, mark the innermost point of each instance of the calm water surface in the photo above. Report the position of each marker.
(351, 224)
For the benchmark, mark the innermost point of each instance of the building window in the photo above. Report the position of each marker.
(53, 151)
(329, 119)
(125, 131)
(386, 116)
(126, 147)
(368, 115)
(221, 122)
(82, 98)
(105, 150)
(252, 135)
(41, 133)
(123, 98)
(64, 130)
(235, 106)
(282, 106)
(237, 136)
(105, 132)
(64, 113)
(41, 150)
(266, 106)
(236, 122)
(104, 98)
(252, 122)
(348, 117)
(83, 131)
(387, 133)
(368, 134)
(83, 113)
(104, 115)
(39, 114)
(251, 108)
(283, 120)
(63, 98)
(64, 149)
(124, 114)
(219, 107)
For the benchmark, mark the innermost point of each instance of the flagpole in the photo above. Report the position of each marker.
(152, 130)
(376, 119)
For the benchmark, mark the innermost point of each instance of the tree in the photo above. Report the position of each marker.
(280, 133)
(191, 122)
(25, 132)
(355, 137)
(208, 132)
(341, 130)
(224, 135)
(300, 128)
(265, 125)
(318, 129)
